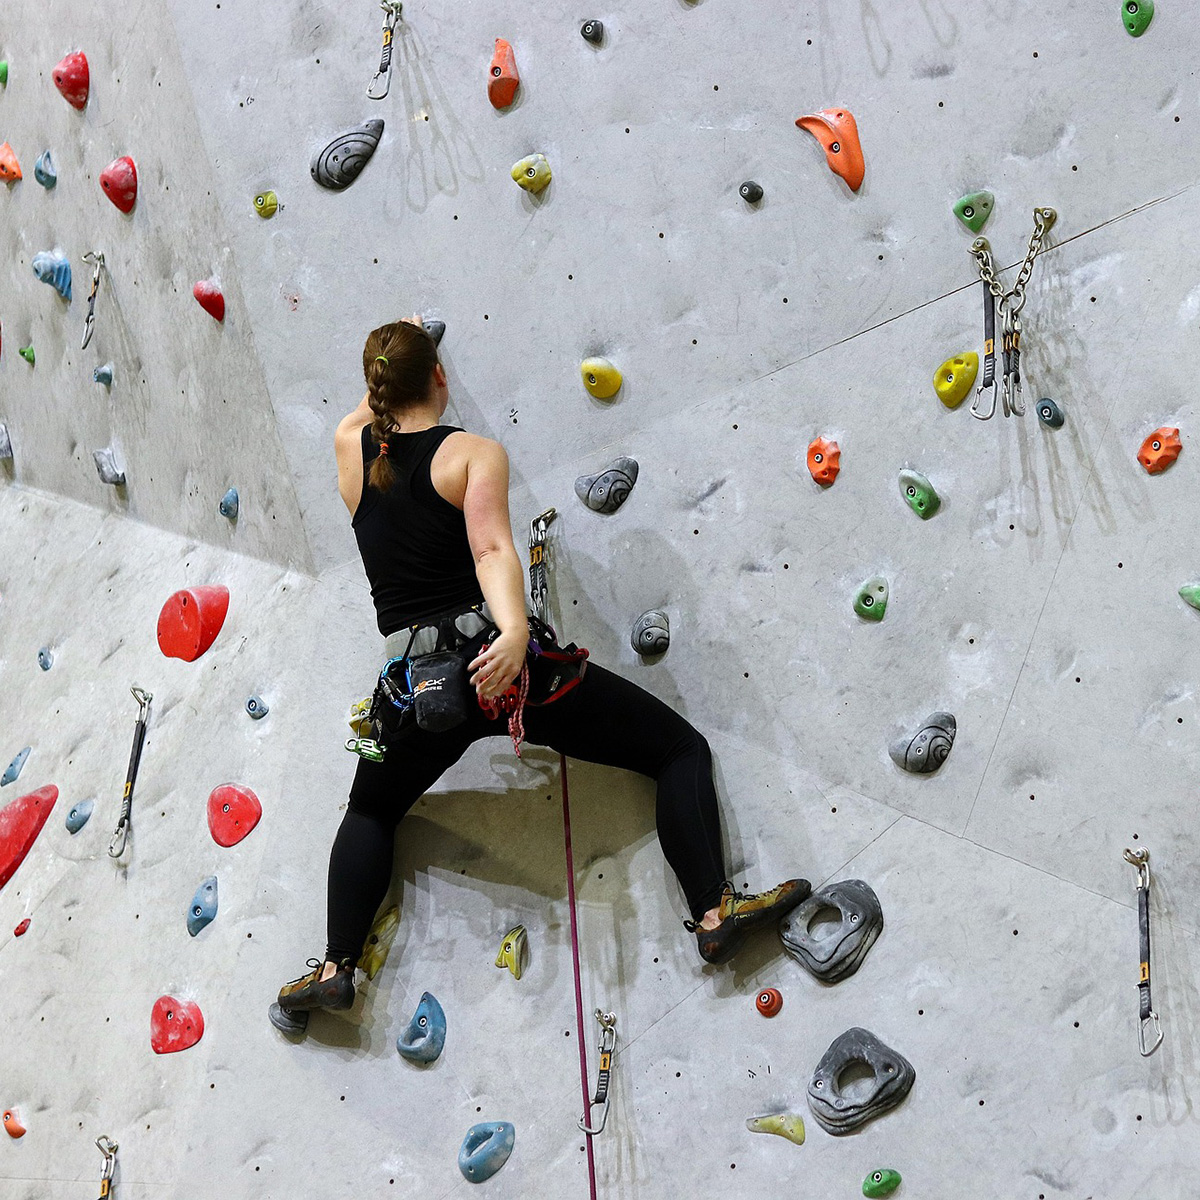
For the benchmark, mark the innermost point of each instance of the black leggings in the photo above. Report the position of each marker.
(605, 719)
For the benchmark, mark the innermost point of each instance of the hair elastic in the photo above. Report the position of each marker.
(383, 449)
(381, 358)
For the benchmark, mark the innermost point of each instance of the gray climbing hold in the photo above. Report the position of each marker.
(14, 768)
(45, 658)
(592, 31)
(485, 1149)
(103, 375)
(229, 504)
(339, 164)
(928, 748)
(52, 267)
(257, 707)
(651, 632)
(751, 192)
(425, 1035)
(833, 952)
(44, 172)
(77, 817)
(106, 465)
(607, 490)
(436, 330)
(203, 907)
(5, 442)
(1049, 413)
(893, 1079)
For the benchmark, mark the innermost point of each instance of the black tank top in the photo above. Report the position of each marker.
(412, 540)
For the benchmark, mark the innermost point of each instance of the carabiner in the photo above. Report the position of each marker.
(89, 326)
(1147, 1017)
(608, 1043)
(1150, 1021)
(108, 1148)
(989, 352)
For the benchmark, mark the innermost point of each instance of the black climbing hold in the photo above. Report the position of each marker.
(893, 1079)
(287, 1021)
(339, 164)
(1049, 413)
(831, 953)
(592, 31)
(751, 192)
(651, 632)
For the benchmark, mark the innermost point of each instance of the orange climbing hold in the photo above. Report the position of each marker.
(769, 1001)
(10, 169)
(73, 79)
(837, 131)
(191, 619)
(824, 461)
(1160, 450)
(12, 1124)
(502, 76)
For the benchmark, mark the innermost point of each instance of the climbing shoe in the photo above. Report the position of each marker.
(743, 912)
(308, 992)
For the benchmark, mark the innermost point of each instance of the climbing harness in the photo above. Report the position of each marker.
(382, 82)
(1010, 304)
(108, 1148)
(96, 258)
(1147, 1017)
(116, 847)
(608, 1043)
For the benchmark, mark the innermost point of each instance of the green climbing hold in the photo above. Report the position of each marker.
(919, 494)
(881, 1183)
(1190, 594)
(26, 352)
(1137, 15)
(974, 209)
(870, 601)
(3, 72)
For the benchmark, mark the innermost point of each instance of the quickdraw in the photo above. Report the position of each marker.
(116, 847)
(96, 258)
(1010, 304)
(1148, 1023)
(108, 1148)
(382, 82)
(608, 1043)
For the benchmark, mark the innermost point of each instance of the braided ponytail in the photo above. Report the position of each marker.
(398, 363)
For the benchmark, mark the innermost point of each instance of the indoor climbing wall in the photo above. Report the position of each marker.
(779, 303)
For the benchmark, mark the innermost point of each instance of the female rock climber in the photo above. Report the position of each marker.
(429, 508)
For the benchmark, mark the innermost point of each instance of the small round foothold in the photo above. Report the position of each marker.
(1049, 413)
(257, 707)
(592, 31)
(45, 658)
(1136, 16)
(266, 204)
(600, 377)
(769, 1001)
(26, 352)
(751, 192)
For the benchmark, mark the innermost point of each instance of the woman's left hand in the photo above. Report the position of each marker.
(497, 666)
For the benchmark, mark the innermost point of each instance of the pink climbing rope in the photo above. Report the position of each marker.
(512, 702)
(583, 1068)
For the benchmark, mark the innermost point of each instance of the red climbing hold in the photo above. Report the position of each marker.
(12, 1123)
(10, 168)
(233, 812)
(210, 298)
(175, 1025)
(119, 181)
(20, 823)
(21, 929)
(73, 79)
(191, 619)
(502, 75)
(769, 1001)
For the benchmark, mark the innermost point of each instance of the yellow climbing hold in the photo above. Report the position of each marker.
(955, 378)
(379, 941)
(532, 173)
(600, 377)
(785, 1124)
(512, 950)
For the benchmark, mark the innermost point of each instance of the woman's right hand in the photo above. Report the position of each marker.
(499, 664)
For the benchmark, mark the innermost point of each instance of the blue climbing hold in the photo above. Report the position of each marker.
(52, 267)
(485, 1149)
(257, 707)
(77, 818)
(103, 375)
(44, 172)
(14, 768)
(45, 658)
(425, 1035)
(204, 906)
(229, 504)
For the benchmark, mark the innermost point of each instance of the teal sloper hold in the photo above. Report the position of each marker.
(1190, 594)
(425, 1035)
(44, 172)
(485, 1149)
(1137, 15)
(204, 906)
(229, 504)
(45, 658)
(974, 208)
(14, 768)
(52, 267)
(77, 818)
(103, 375)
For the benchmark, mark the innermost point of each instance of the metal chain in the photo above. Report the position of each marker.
(981, 251)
